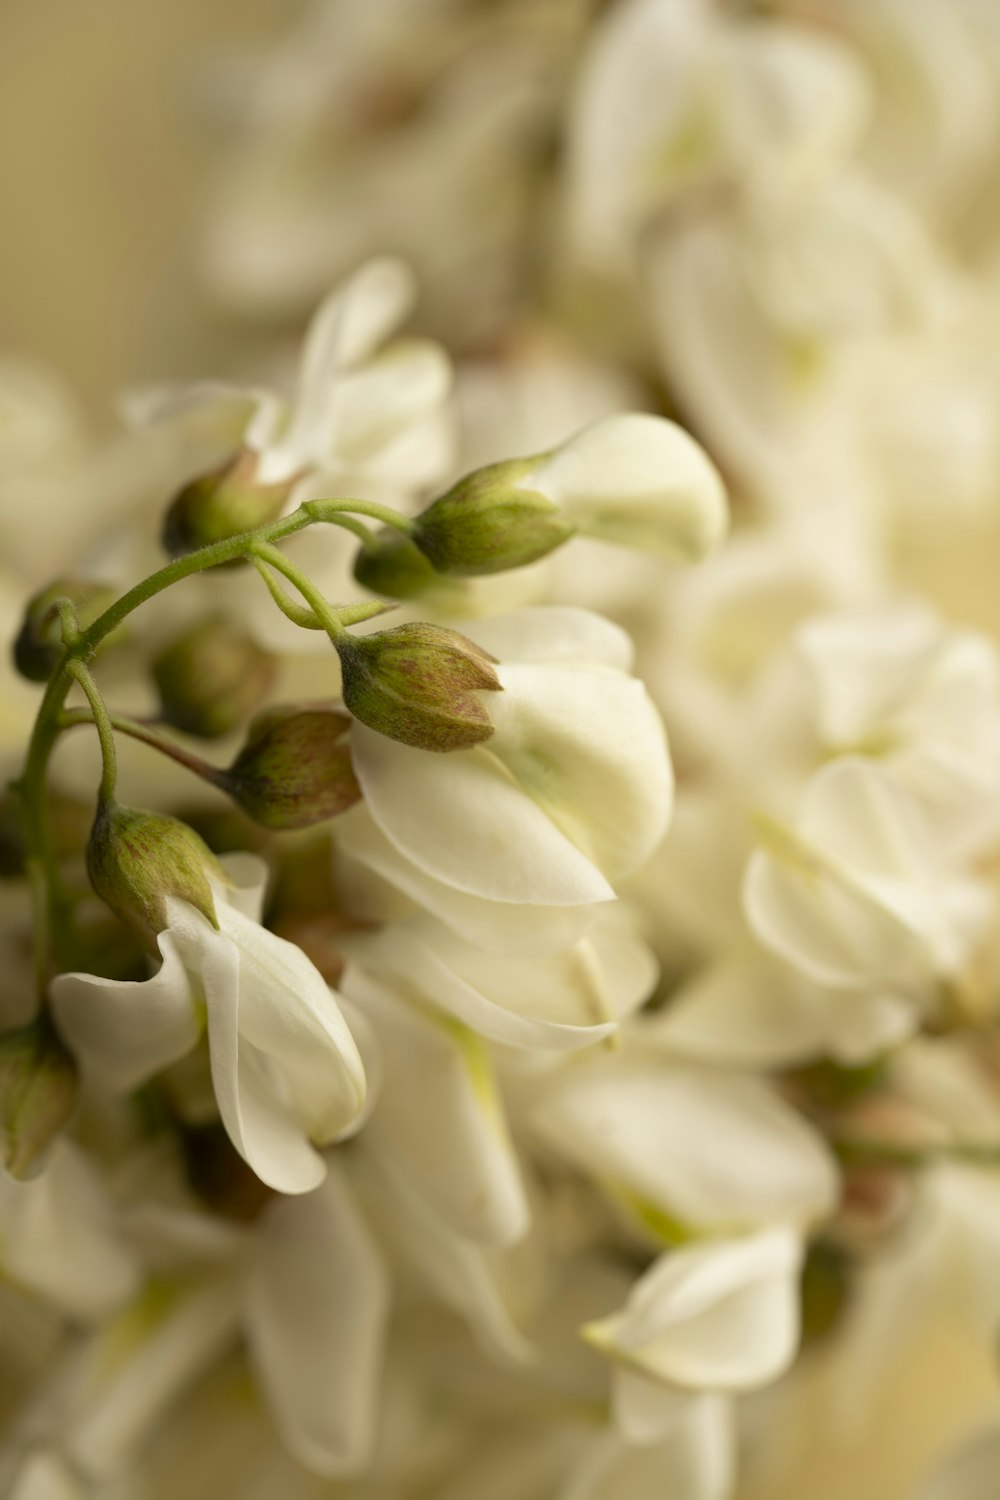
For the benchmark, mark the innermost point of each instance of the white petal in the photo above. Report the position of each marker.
(463, 820)
(401, 386)
(318, 1299)
(348, 326)
(556, 633)
(497, 926)
(122, 1031)
(56, 1237)
(285, 1068)
(696, 1460)
(588, 746)
(641, 481)
(707, 1149)
(559, 1001)
(439, 1116)
(137, 1365)
(722, 1316)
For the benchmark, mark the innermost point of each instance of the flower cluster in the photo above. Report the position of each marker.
(531, 1029)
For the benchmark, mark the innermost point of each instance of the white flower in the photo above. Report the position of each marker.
(285, 1068)
(359, 413)
(721, 1316)
(438, 1116)
(637, 480)
(571, 792)
(680, 1147)
(857, 895)
(559, 1001)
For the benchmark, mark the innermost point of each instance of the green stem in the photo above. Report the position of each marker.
(321, 608)
(105, 733)
(332, 511)
(146, 734)
(52, 903)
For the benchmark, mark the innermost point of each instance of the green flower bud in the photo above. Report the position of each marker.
(419, 684)
(295, 768)
(137, 859)
(38, 646)
(222, 503)
(211, 678)
(487, 524)
(38, 1088)
(393, 565)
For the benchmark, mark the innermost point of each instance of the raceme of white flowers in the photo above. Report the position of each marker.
(498, 882)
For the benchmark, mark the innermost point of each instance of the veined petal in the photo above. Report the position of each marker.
(318, 1299)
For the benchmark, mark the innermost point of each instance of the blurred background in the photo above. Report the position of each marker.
(123, 129)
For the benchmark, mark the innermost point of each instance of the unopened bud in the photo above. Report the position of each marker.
(419, 684)
(295, 768)
(392, 564)
(137, 860)
(39, 644)
(38, 1086)
(490, 521)
(211, 678)
(223, 503)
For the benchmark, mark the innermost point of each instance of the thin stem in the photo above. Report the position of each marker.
(105, 733)
(184, 567)
(146, 734)
(321, 608)
(297, 613)
(331, 510)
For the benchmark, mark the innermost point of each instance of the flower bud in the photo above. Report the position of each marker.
(419, 684)
(211, 678)
(295, 768)
(38, 1087)
(491, 521)
(393, 565)
(137, 859)
(38, 645)
(223, 503)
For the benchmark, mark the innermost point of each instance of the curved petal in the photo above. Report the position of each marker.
(588, 746)
(695, 1146)
(285, 1068)
(122, 1031)
(722, 1316)
(556, 633)
(463, 820)
(497, 926)
(440, 1117)
(640, 481)
(558, 1002)
(317, 1309)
